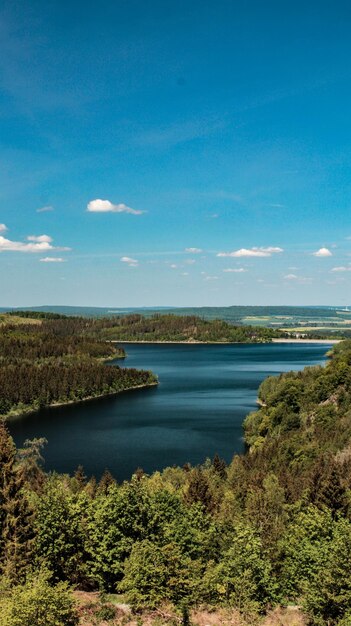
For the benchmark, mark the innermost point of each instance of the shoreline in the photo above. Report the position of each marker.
(191, 343)
(227, 343)
(56, 405)
(326, 341)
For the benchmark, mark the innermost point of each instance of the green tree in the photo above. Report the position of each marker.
(60, 531)
(37, 603)
(243, 577)
(328, 596)
(156, 573)
(16, 532)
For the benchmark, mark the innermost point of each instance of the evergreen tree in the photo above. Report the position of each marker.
(80, 477)
(106, 482)
(16, 533)
(199, 489)
(219, 466)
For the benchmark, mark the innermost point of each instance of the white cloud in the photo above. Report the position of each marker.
(41, 243)
(174, 266)
(131, 262)
(52, 259)
(252, 252)
(45, 209)
(3, 228)
(190, 261)
(211, 278)
(301, 280)
(40, 238)
(193, 250)
(105, 206)
(185, 274)
(323, 252)
(238, 270)
(341, 268)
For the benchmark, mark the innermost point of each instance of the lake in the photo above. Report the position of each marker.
(205, 392)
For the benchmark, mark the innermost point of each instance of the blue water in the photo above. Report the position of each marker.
(205, 391)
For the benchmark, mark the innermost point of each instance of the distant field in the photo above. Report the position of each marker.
(16, 320)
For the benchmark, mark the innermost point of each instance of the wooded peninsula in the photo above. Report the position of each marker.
(47, 360)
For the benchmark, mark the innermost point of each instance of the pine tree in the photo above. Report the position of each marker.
(80, 477)
(106, 481)
(327, 488)
(15, 515)
(199, 489)
(219, 466)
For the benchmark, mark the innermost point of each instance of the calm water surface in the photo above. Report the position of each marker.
(205, 391)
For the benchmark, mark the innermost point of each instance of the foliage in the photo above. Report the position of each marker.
(272, 526)
(16, 530)
(37, 603)
(170, 327)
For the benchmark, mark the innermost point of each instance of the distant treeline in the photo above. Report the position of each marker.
(171, 327)
(57, 361)
(272, 528)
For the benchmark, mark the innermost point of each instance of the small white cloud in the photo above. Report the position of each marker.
(291, 277)
(322, 252)
(211, 278)
(45, 209)
(252, 252)
(131, 262)
(190, 261)
(341, 268)
(238, 270)
(41, 243)
(193, 250)
(173, 266)
(105, 206)
(40, 238)
(3, 228)
(185, 274)
(52, 259)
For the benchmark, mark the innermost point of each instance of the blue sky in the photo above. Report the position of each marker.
(175, 153)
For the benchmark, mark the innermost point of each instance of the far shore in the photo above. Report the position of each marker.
(224, 343)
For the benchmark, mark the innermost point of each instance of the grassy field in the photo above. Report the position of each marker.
(17, 320)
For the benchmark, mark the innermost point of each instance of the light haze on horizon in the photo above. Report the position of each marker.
(175, 154)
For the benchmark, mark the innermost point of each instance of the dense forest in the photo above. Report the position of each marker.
(56, 360)
(272, 528)
(136, 327)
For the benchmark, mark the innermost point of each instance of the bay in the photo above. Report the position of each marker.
(197, 410)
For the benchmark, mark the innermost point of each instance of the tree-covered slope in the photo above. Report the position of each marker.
(180, 328)
(57, 361)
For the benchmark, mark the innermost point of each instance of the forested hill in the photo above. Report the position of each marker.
(136, 327)
(47, 359)
(272, 528)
